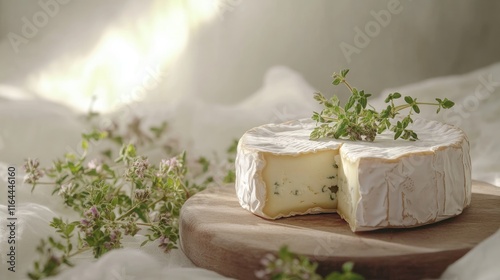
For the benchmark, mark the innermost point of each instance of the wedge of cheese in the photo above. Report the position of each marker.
(387, 183)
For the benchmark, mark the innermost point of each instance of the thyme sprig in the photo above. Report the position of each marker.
(116, 194)
(290, 266)
(358, 120)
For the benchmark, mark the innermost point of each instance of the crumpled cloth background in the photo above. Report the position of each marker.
(37, 128)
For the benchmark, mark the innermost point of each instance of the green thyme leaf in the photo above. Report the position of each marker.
(408, 99)
(447, 103)
(358, 120)
(398, 134)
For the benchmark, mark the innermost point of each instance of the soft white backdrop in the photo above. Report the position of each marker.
(215, 70)
(218, 50)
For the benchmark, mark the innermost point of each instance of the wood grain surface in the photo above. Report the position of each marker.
(217, 234)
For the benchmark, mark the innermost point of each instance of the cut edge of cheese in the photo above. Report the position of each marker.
(314, 198)
(309, 183)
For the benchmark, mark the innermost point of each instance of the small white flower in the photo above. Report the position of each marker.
(172, 163)
(65, 189)
(92, 213)
(33, 173)
(95, 164)
(154, 216)
(270, 257)
(140, 166)
(167, 165)
(287, 270)
(260, 274)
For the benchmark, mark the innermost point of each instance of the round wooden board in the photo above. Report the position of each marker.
(217, 234)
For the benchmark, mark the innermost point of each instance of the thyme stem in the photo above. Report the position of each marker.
(358, 120)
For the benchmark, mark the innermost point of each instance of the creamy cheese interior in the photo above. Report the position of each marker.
(296, 184)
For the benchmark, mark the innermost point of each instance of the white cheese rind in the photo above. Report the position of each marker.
(382, 184)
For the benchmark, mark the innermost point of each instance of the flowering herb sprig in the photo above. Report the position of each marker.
(114, 197)
(357, 120)
(289, 266)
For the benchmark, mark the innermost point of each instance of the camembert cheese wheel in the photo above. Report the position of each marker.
(387, 183)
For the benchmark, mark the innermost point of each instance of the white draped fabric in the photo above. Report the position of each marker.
(214, 73)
